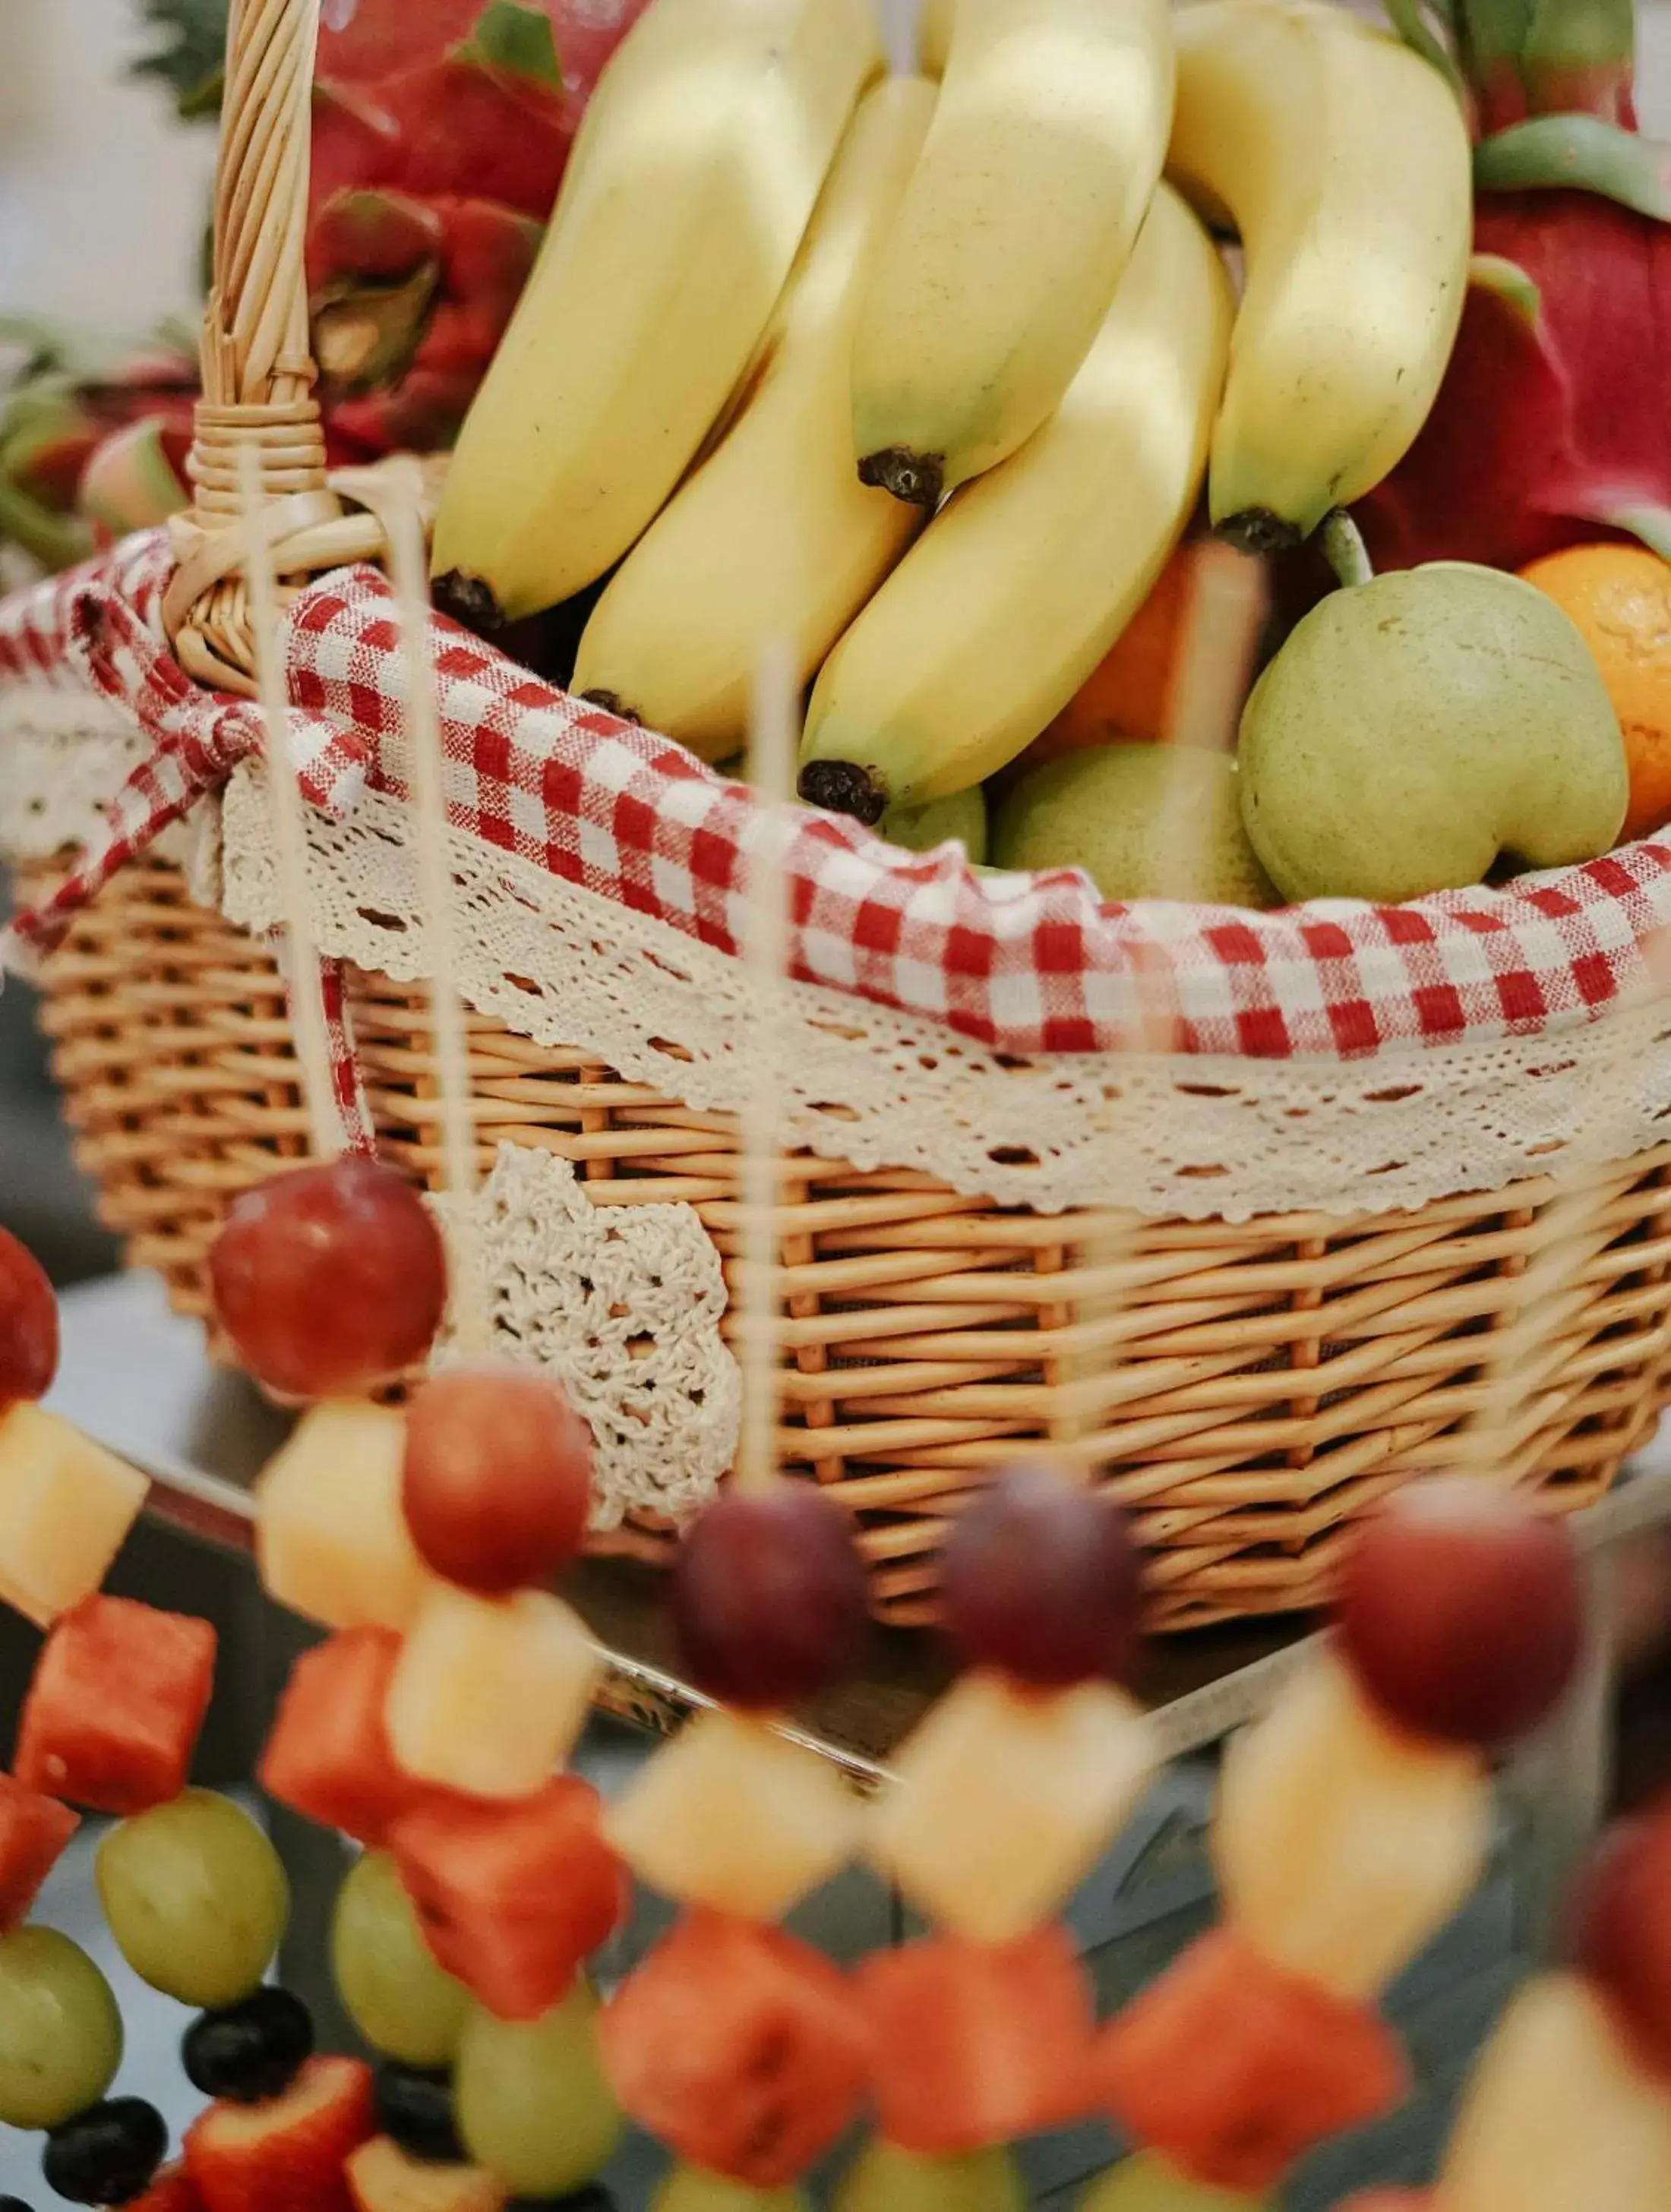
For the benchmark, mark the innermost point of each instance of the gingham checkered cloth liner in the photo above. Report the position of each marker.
(1019, 965)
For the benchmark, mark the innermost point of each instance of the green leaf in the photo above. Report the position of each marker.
(1508, 282)
(1651, 525)
(1408, 21)
(189, 52)
(1579, 56)
(1578, 153)
(516, 42)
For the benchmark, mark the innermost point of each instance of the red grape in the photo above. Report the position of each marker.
(497, 1478)
(330, 1278)
(768, 1595)
(28, 1324)
(1041, 1579)
(1462, 1612)
(1620, 1933)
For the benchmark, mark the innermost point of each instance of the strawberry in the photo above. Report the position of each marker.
(287, 2155)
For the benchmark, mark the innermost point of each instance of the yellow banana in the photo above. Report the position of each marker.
(700, 162)
(1043, 150)
(1022, 583)
(934, 36)
(1343, 159)
(773, 539)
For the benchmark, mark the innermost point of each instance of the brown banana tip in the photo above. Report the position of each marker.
(917, 479)
(468, 601)
(612, 703)
(842, 787)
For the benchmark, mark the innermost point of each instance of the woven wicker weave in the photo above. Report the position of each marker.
(1266, 1383)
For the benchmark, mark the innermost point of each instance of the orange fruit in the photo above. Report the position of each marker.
(1620, 596)
(1132, 695)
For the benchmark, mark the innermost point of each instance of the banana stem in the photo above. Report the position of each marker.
(1344, 549)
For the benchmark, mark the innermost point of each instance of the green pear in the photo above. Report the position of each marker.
(1144, 821)
(920, 829)
(1417, 728)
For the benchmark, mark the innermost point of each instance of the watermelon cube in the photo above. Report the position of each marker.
(327, 1756)
(66, 1506)
(975, 2044)
(511, 1897)
(113, 1715)
(1232, 2068)
(738, 2047)
(34, 1830)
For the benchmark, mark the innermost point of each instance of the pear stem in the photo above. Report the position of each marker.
(1344, 549)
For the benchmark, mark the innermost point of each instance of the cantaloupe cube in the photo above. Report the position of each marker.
(381, 2178)
(330, 1539)
(1002, 1800)
(489, 1694)
(66, 1506)
(1342, 1844)
(731, 1815)
(1559, 2115)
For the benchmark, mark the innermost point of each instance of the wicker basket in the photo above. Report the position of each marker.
(1269, 1381)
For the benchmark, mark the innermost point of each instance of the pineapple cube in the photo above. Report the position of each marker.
(330, 1538)
(489, 1694)
(1341, 1845)
(732, 1815)
(66, 1505)
(1004, 1799)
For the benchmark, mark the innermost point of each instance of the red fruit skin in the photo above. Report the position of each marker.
(737, 2047)
(172, 2191)
(285, 2156)
(34, 1830)
(464, 130)
(356, 143)
(973, 2044)
(114, 1712)
(497, 1478)
(512, 1899)
(372, 234)
(329, 1280)
(1461, 1613)
(1540, 435)
(28, 1324)
(1619, 1933)
(1233, 2070)
(327, 1756)
(768, 1595)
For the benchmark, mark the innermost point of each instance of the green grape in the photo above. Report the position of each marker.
(60, 2033)
(885, 2179)
(402, 2002)
(692, 2189)
(1146, 2184)
(530, 2098)
(196, 1897)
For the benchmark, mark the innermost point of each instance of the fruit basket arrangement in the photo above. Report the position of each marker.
(1240, 1206)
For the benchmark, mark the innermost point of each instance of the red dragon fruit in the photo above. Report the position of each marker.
(440, 130)
(1553, 425)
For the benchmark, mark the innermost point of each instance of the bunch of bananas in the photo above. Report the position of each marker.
(922, 375)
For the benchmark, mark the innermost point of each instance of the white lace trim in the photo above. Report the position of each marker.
(64, 754)
(624, 1303)
(1199, 1136)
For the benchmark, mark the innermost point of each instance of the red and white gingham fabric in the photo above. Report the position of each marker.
(1022, 964)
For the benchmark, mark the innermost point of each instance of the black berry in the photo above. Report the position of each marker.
(415, 2107)
(593, 2198)
(108, 2155)
(252, 2051)
(13, 2204)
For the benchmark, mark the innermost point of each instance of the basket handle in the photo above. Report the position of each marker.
(259, 371)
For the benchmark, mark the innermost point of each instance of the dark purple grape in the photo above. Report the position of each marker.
(1620, 1933)
(415, 2108)
(108, 2155)
(330, 1278)
(1041, 1579)
(769, 1596)
(497, 1477)
(1461, 1611)
(249, 2051)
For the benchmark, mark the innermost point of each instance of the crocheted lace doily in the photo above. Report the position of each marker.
(1197, 1136)
(624, 1305)
(67, 752)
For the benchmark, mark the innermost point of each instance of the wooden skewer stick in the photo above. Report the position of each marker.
(409, 568)
(319, 1089)
(1227, 602)
(765, 960)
